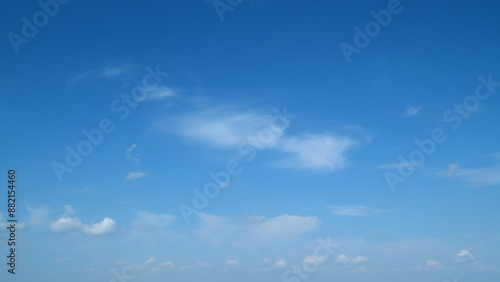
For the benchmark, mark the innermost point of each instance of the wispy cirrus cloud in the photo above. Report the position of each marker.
(148, 221)
(136, 175)
(355, 210)
(223, 127)
(478, 177)
(412, 111)
(255, 229)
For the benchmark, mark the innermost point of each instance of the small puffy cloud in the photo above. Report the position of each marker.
(104, 227)
(279, 264)
(464, 256)
(316, 151)
(314, 259)
(148, 221)
(66, 224)
(343, 259)
(136, 175)
(355, 210)
(432, 264)
(232, 262)
(150, 260)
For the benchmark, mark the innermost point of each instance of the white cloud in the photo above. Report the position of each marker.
(147, 221)
(223, 127)
(66, 224)
(316, 151)
(136, 175)
(355, 210)
(232, 262)
(157, 93)
(343, 259)
(432, 264)
(104, 227)
(130, 155)
(411, 111)
(314, 259)
(150, 260)
(480, 177)
(279, 264)
(464, 256)
(254, 229)
(112, 71)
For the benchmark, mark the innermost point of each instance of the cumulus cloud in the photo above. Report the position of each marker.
(464, 256)
(66, 224)
(106, 226)
(69, 224)
(136, 175)
(355, 210)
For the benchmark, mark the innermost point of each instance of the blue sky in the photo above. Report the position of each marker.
(251, 140)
